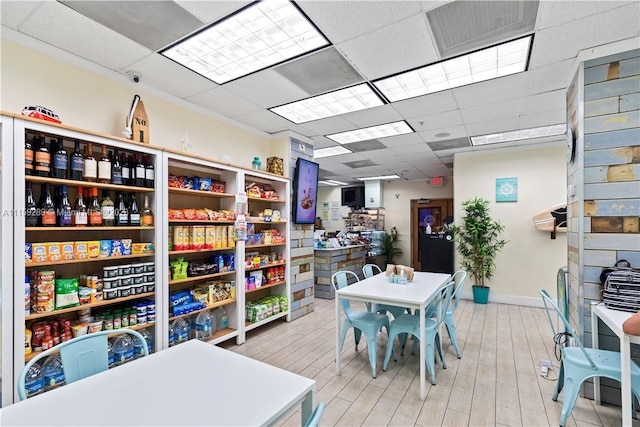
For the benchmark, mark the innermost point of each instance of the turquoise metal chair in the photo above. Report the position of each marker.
(410, 324)
(316, 415)
(81, 357)
(579, 364)
(459, 278)
(361, 321)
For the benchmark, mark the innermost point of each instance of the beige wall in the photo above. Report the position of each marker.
(531, 259)
(90, 101)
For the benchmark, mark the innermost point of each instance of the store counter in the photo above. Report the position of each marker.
(329, 261)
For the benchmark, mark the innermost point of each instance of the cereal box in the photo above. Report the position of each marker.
(68, 250)
(126, 246)
(28, 252)
(116, 247)
(105, 248)
(209, 237)
(54, 251)
(81, 250)
(93, 248)
(197, 237)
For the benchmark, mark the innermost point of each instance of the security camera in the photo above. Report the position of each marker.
(134, 76)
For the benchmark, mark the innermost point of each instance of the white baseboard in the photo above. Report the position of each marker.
(508, 299)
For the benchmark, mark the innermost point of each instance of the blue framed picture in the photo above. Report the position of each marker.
(507, 189)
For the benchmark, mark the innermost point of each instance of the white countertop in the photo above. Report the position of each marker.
(341, 247)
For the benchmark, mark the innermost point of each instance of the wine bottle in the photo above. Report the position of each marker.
(147, 214)
(47, 207)
(42, 158)
(64, 212)
(116, 169)
(80, 217)
(122, 218)
(31, 207)
(90, 172)
(134, 212)
(60, 160)
(108, 209)
(76, 162)
(140, 171)
(104, 167)
(149, 176)
(95, 213)
(126, 169)
(28, 156)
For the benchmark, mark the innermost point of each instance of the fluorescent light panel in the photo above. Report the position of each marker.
(332, 182)
(518, 135)
(337, 182)
(328, 183)
(347, 100)
(381, 177)
(259, 36)
(373, 132)
(330, 151)
(496, 61)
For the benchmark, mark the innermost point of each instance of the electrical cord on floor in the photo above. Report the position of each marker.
(546, 367)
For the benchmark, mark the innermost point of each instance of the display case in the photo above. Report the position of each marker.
(365, 219)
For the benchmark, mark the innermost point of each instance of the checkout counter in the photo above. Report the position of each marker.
(329, 258)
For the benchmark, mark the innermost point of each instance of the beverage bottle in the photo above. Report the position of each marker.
(104, 167)
(108, 209)
(126, 169)
(80, 216)
(90, 172)
(140, 171)
(111, 356)
(31, 208)
(222, 318)
(134, 212)
(147, 214)
(34, 380)
(116, 169)
(204, 326)
(60, 161)
(42, 165)
(47, 207)
(122, 218)
(95, 212)
(27, 300)
(64, 213)
(28, 157)
(137, 344)
(172, 335)
(76, 162)
(181, 331)
(53, 373)
(123, 349)
(149, 173)
(148, 338)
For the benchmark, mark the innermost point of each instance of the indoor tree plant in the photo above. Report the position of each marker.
(478, 244)
(390, 250)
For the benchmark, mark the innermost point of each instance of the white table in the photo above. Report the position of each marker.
(378, 290)
(190, 384)
(614, 320)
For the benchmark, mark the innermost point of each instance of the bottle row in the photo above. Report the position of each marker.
(51, 211)
(113, 167)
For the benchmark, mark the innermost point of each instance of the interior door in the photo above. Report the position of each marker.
(426, 211)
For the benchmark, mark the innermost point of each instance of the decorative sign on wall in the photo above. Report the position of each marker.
(507, 189)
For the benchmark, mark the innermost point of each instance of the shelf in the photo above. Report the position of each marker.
(198, 193)
(275, 264)
(222, 335)
(247, 247)
(199, 221)
(73, 183)
(89, 228)
(261, 199)
(270, 285)
(249, 326)
(211, 307)
(78, 261)
(265, 222)
(196, 278)
(197, 251)
(90, 305)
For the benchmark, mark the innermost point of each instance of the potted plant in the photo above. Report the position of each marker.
(390, 250)
(478, 244)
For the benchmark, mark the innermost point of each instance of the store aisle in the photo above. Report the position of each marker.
(497, 381)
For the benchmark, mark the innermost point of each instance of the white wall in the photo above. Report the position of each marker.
(530, 261)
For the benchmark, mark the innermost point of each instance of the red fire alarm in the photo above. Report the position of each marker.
(436, 181)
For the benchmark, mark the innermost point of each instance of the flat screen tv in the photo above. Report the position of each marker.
(305, 191)
(353, 196)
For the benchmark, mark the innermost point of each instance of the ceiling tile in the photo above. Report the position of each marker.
(427, 104)
(453, 131)
(550, 77)
(411, 148)
(543, 118)
(369, 145)
(492, 126)
(264, 120)
(492, 111)
(81, 36)
(448, 144)
(398, 140)
(357, 164)
(224, 102)
(266, 88)
(12, 13)
(544, 101)
(508, 87)
(210, 11)
(373, 116)
(436, 121)
(551, 14)
(329, 125)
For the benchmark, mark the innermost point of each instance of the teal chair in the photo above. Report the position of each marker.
(361, 321)
(459, 278)
(410, 324)
(316, 415)
(579, 364)
(81, 357)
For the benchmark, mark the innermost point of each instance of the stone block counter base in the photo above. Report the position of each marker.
(329, 261)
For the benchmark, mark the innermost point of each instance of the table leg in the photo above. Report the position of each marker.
(307, 407)
(625, 356)
(595, 344)
(337, 310)
(423, 360)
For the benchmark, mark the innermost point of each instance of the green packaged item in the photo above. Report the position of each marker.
(179, 269)
(67, 293)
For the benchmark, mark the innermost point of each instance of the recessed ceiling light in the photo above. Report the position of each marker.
(381, 177)
(257, 37)
(330, 151)
(328, 183)
(337, 182)
(442, 134)
(373, 132)
(347, 100)
(496, 61)
(518, 135)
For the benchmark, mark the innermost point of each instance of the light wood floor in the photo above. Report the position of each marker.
(496, 382)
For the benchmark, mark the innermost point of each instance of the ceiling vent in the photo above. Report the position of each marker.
(360, 164)
(368, 145)
(449, 144)
(464, 26)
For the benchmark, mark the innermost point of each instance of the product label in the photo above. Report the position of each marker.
(108, 212)
(104, 170)
(125, 173)
(60, 161)
(66, 218)
(224, 322)
(77, 164)
(134, 219)
(43, 161)
(90, 168)
(116, 176)
(34, 387)
(147, 220)
(49, 217)
(149, 174)
(28, 159)
(95, 218)
(80, 218)
(140, 172)
(123, 218)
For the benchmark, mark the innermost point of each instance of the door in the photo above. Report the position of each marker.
(426, 211)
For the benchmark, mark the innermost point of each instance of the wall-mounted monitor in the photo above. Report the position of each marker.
(353, 196)
(305, 191)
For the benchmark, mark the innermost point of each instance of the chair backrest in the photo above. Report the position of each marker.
(370, 270)
(81, 357)
(339, 280)
(548, 302)
(441, 301)
(459, 278)
(314, 419)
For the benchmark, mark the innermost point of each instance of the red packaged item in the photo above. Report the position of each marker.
(190, 214)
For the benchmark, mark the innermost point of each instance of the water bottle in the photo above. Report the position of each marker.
(180, 331)
(222, 318)
(123, 349)
(204, 326)
(172, 335)
(402, 279)
(148, 338)
(53, 373)
(110, 353)
(138, 349)
(34, 380)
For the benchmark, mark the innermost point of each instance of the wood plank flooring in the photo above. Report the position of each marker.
(496, 382)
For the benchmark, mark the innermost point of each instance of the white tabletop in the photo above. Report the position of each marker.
(190, 384)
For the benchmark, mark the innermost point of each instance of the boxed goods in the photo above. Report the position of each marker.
(39, 252)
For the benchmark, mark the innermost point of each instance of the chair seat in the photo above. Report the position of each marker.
(410, 323)
(607, 362)
(366, 316)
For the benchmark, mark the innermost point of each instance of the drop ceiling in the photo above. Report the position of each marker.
(368, 40)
